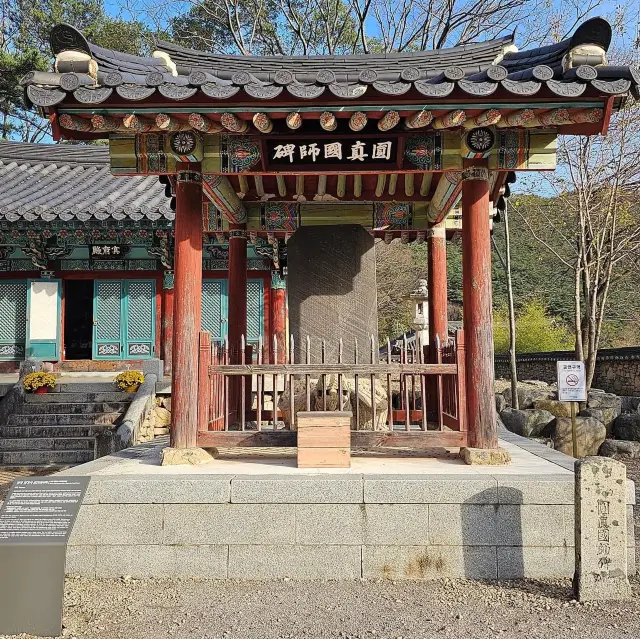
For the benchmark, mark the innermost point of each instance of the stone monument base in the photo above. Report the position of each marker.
(180, 456)
(391, 518)
(485, 456)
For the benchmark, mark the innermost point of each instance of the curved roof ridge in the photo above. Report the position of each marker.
(172, 48)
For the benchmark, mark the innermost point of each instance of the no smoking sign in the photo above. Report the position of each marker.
(572, 382)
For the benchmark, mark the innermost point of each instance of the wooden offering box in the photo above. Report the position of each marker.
(324, 440)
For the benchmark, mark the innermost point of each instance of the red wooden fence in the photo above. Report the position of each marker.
(249, 402)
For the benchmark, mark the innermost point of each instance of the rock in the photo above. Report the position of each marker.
(299, 401)
(151, 419)
(163, 417)
(501, 402)
(605, 415)
(535, 382)
(325, 395)
(528, 422)
(545, 441)
(528, 396)
(590, 434)
(166, 403)
(364, 406)
(608, 405)
(160, 431)
(559, 409)
(619, 448)
(627, 426)
(187, 456)
(630, 404)
(485, 456)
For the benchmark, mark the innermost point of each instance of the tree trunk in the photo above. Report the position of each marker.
(578, 316)
(513, 370)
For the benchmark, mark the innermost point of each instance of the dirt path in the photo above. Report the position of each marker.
(8, 475)
(159, 609)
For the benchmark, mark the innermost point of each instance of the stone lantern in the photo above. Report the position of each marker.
(419, 296)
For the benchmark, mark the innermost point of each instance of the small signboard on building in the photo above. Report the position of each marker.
(107, 251)
(572, 382)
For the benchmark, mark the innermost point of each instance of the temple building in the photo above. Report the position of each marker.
(300, 162)
(87, 258)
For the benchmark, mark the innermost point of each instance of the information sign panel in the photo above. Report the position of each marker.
(36, 520)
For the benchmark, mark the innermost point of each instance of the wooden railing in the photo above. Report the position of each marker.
(246, 399)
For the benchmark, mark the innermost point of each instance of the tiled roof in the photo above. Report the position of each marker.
(73, 182)
(566, 69)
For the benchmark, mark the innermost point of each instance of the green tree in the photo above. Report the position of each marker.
(536, 330)
(24, 46)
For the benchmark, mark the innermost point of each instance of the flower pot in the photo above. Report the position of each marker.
(131, 389)
(42, 390)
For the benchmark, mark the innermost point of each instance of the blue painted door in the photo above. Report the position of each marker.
(13, 319)
(108, 325)
(215, 309)
(43, 319)
(124, 319)
(255, 310)
(140, 318)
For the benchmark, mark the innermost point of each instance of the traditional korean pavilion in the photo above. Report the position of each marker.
(260, 149)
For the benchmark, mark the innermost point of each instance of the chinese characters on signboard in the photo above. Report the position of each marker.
(351, 151)
(106, 251)
(572, 382)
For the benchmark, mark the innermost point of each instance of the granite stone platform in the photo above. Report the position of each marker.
(385, 517)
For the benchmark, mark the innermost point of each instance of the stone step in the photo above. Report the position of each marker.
(88, 387)
(55, 430)
(72, 398)
(52, 419)
(48, 443)
(45, 457)
(74, 408)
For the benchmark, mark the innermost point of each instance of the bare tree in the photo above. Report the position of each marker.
(592, 224)
(293, 27)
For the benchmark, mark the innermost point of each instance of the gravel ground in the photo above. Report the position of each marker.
(158, 609)
(8, 475)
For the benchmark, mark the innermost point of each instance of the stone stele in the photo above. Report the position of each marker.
(331, 292)
(601, 530)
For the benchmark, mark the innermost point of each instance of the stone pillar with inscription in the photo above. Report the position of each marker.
(601, 530)
(331, 286)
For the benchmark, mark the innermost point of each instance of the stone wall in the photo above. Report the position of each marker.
(617, 370)
(352, 526)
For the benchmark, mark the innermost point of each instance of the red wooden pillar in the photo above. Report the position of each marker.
(187, 305)
(437, 284)
(237, 288)
(167, 322)
(477, 309)
(279, 315)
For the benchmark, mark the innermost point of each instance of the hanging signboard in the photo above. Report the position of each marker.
(107, 251)
(350, 152)
(572, 382)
